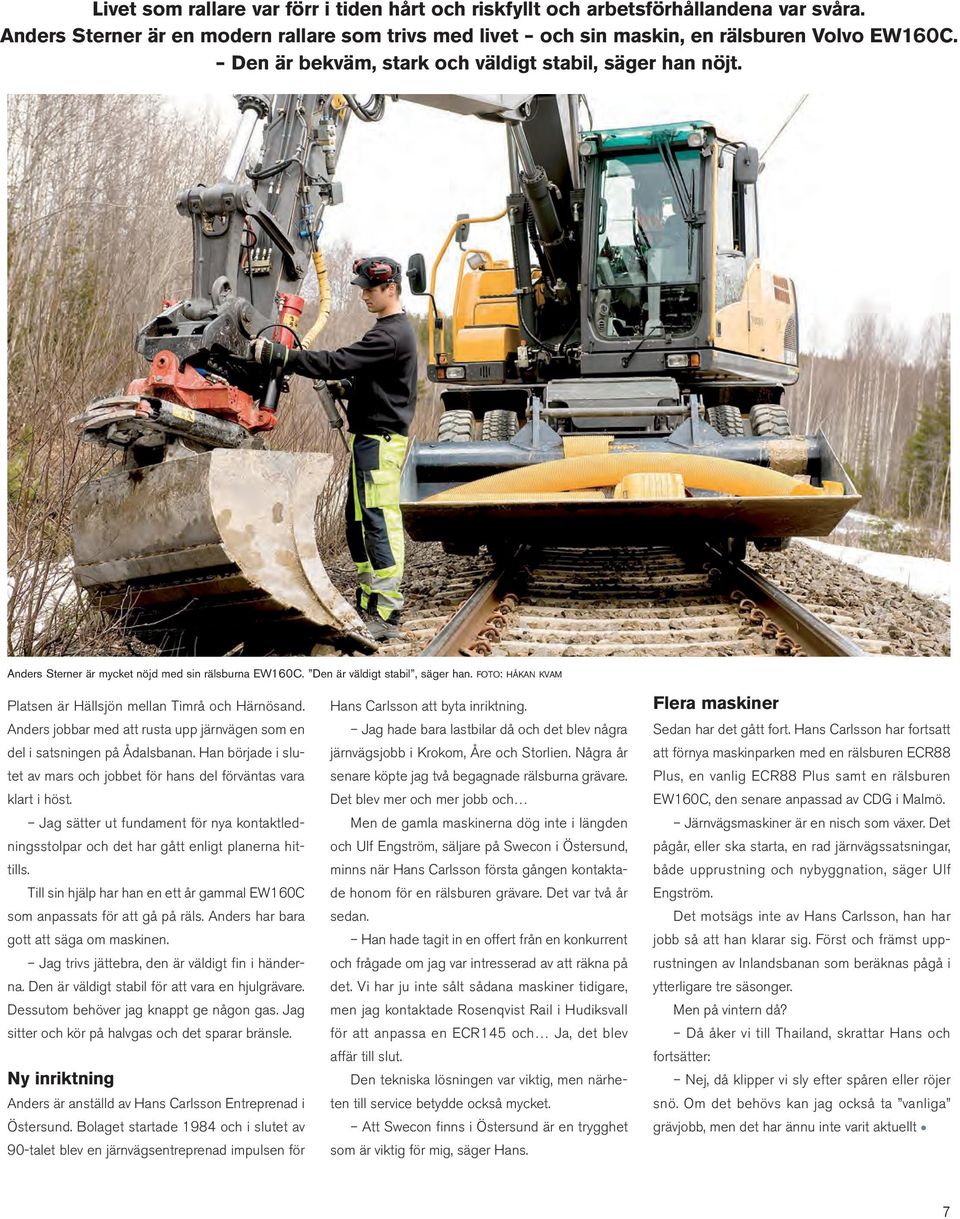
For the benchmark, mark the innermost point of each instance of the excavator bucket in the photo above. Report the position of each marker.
(219, 547)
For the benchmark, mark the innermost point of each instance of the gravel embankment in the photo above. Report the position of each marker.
(879, 615)
(882, 617)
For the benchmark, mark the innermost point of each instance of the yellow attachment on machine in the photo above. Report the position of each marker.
(586, 446)
(650, 486)
(532, 497)
(715, 474)
(621, 498)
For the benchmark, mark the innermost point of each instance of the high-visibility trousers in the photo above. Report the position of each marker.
(374, 522)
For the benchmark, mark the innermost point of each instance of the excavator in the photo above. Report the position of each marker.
(618, 379)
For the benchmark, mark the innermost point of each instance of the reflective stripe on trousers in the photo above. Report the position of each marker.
(374, 522)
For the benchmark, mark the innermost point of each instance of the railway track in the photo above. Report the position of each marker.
(632, 601)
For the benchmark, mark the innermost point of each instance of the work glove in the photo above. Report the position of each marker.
(268, 354)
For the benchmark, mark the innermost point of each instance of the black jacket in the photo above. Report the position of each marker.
(383, 368)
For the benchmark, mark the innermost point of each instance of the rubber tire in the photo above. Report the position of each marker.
(456, 427)
(726, 419)
(769, 419)
(499, 425)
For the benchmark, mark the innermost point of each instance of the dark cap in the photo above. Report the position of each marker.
(374, 272)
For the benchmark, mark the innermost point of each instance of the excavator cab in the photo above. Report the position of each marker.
(665, 227)
(676, 282)
(646, 274)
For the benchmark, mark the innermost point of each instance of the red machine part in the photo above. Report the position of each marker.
(212, 395)
(291, 308)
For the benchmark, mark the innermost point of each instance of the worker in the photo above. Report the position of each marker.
(382, 367)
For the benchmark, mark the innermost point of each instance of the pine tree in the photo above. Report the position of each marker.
(924, 491)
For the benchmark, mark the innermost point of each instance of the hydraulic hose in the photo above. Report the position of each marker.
(323, 316)
(523, 270)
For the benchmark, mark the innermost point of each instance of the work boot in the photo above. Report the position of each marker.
(382, 629)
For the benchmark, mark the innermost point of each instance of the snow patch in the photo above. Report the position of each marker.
(929, 577)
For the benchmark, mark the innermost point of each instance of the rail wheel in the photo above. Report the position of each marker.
(734, 549)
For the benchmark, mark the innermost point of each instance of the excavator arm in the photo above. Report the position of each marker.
(202, 533)
(256, 231)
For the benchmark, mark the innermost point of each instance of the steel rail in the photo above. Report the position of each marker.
(478, 611)
(812, 636)
(475, 627)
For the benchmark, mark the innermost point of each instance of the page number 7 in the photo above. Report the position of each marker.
(946, 1212)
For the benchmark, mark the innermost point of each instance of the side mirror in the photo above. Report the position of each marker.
(746, 166)
(463, 229)
(417, 274)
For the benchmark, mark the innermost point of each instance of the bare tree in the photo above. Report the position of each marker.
(868, 400)
(94, 245)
